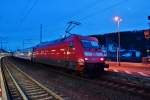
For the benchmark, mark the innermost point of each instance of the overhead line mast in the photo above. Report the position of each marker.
(41, 31)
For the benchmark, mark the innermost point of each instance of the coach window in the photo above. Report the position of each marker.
(71, 45)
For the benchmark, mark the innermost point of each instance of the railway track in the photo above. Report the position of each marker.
(112, 83)
(20, 86)
(126, 87)
(123, 86)
(118, 85)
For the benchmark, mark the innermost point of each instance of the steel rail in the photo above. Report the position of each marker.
(23, 88)
(51, 92)
(17, 85)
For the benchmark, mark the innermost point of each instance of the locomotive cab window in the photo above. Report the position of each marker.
(71, 45)
(90, 44)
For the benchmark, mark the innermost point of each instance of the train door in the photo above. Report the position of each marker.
(70, 53)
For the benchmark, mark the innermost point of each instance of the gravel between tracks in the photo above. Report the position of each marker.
(74, 89)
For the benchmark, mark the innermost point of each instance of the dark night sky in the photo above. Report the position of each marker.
(20, 19)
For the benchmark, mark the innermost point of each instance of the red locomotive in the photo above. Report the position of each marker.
(79, 53)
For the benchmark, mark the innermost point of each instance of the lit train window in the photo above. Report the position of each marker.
(94, 43)
(88, 53)
(99, 54)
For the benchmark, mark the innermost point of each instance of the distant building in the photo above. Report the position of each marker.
(134, 46)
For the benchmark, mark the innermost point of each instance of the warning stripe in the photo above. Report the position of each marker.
(115, 70)
(143, 74)
(128, 72)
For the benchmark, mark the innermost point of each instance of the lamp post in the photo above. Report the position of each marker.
(118, 19)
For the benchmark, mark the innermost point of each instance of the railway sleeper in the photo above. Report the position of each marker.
(17, 98)
(14, 92)
(12, 89)
(111, 84)
(34, 90)
(123, 87)
(31, 88)
(40, 92)
(27, 82)
(132, 89)
(141, 91)
(117, 85)
(39, 95)
(46, 98)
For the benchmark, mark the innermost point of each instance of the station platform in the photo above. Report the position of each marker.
(127, 64)
(3, 95)
(130, 68)
(0, 85)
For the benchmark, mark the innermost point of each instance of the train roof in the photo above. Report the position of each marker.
(24, 50)
(63, 39)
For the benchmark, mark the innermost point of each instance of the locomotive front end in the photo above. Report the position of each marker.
(94, 58)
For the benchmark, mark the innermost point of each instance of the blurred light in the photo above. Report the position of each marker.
(147, 50)
(86, 58)
(29, 53)
(62, 49)
(81, 61)
(117, 19)
(68, 53)
(101, 59)
(21, 54)
(53, 50)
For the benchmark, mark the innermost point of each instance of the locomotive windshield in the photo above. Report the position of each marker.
(90, 44)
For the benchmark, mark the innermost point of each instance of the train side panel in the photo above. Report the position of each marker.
(60, 54)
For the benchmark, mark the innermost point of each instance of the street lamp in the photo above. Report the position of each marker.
(118, 19)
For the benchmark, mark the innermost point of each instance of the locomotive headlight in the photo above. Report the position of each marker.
(149, 60)
(81, 61)
(102, 59)
(86, 58)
